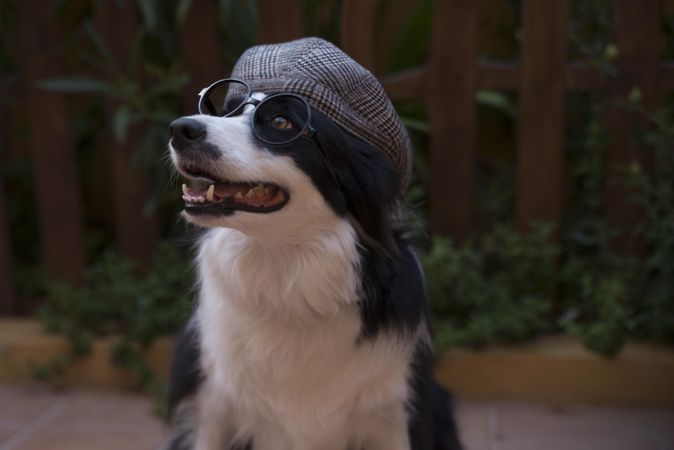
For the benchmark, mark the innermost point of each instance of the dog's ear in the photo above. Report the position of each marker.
(371, 191)
(367, 182)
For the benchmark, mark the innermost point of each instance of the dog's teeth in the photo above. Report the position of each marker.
(186, 197)
(266, 191)
(258, 190)
(238, 196)
(210, 194)
(201, 199)
(249, 194)
(185, 189)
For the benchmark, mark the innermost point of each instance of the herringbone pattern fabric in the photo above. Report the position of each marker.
(334, 84)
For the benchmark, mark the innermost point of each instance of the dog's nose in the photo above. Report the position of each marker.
(186, 131)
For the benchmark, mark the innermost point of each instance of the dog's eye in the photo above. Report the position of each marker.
(281, 123)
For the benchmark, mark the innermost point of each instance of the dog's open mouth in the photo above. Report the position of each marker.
(205, 195)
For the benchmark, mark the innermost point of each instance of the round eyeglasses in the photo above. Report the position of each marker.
(278, 119)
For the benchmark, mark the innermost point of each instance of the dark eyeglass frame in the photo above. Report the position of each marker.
(205, 106)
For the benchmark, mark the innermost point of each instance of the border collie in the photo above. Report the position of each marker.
(311, 329)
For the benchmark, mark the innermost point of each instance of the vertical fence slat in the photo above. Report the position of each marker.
(58, 201)
(279, 21)
(200, 51)
(6, 279)
(638, 34)
(136, 232)
(357, 30)
(450, 102)
(540, 156)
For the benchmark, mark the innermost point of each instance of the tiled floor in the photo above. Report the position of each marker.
(37, 418)
(522, 426)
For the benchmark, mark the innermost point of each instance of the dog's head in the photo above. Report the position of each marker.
(281, 161)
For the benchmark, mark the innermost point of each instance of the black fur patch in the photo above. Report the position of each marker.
(354, 177)
(185, 374)
(431, 421)
(359, 182)
(393, 291)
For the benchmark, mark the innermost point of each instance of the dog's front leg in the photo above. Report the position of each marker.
(335, 442)
(385, 429)
(212, 431)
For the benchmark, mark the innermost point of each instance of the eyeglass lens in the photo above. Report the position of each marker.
(280, 119)
(224, 98)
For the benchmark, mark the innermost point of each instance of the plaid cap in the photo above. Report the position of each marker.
(334, 84)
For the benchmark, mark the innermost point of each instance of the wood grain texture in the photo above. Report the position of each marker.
(498, 75)
(7, 298)
(50, 140)
(136, 231)
(638, 65)
(279, 21)
(358, 20)
(540, 159)
(200, 51)
(450, 101)
(580, 76)
(405, 85)
(666, 77)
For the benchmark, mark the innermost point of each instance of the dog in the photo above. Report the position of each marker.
(311, 327)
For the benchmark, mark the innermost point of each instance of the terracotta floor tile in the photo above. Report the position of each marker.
(88, 410)
(23, 403)
(473, 422)
(5, 434)
(37, 418)
(90, 440)
(655, 424)
(535, 427)
(34, 417)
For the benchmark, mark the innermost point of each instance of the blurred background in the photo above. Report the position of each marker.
(543, 191)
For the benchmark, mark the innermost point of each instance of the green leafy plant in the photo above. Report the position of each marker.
(654, 192)
(237, 27)
(504, 285)
(115, 302)
(144, 93)
(599, 301)
(485, 293)
(498, 288)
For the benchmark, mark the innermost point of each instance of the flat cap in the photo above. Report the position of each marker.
(334, 84)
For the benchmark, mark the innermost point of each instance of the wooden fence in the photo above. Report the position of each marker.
(447, 83)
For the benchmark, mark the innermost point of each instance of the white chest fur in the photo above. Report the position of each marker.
(279, 327)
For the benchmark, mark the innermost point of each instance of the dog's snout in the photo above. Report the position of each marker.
(186, 131)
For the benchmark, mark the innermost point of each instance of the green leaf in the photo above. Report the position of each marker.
(73, 85)
(102, 48)
(182, 9)
(410, 48)
(135, 57)
(497, 100)
(168, 85)
(416, 124)
(121, 122)
(148, 10)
